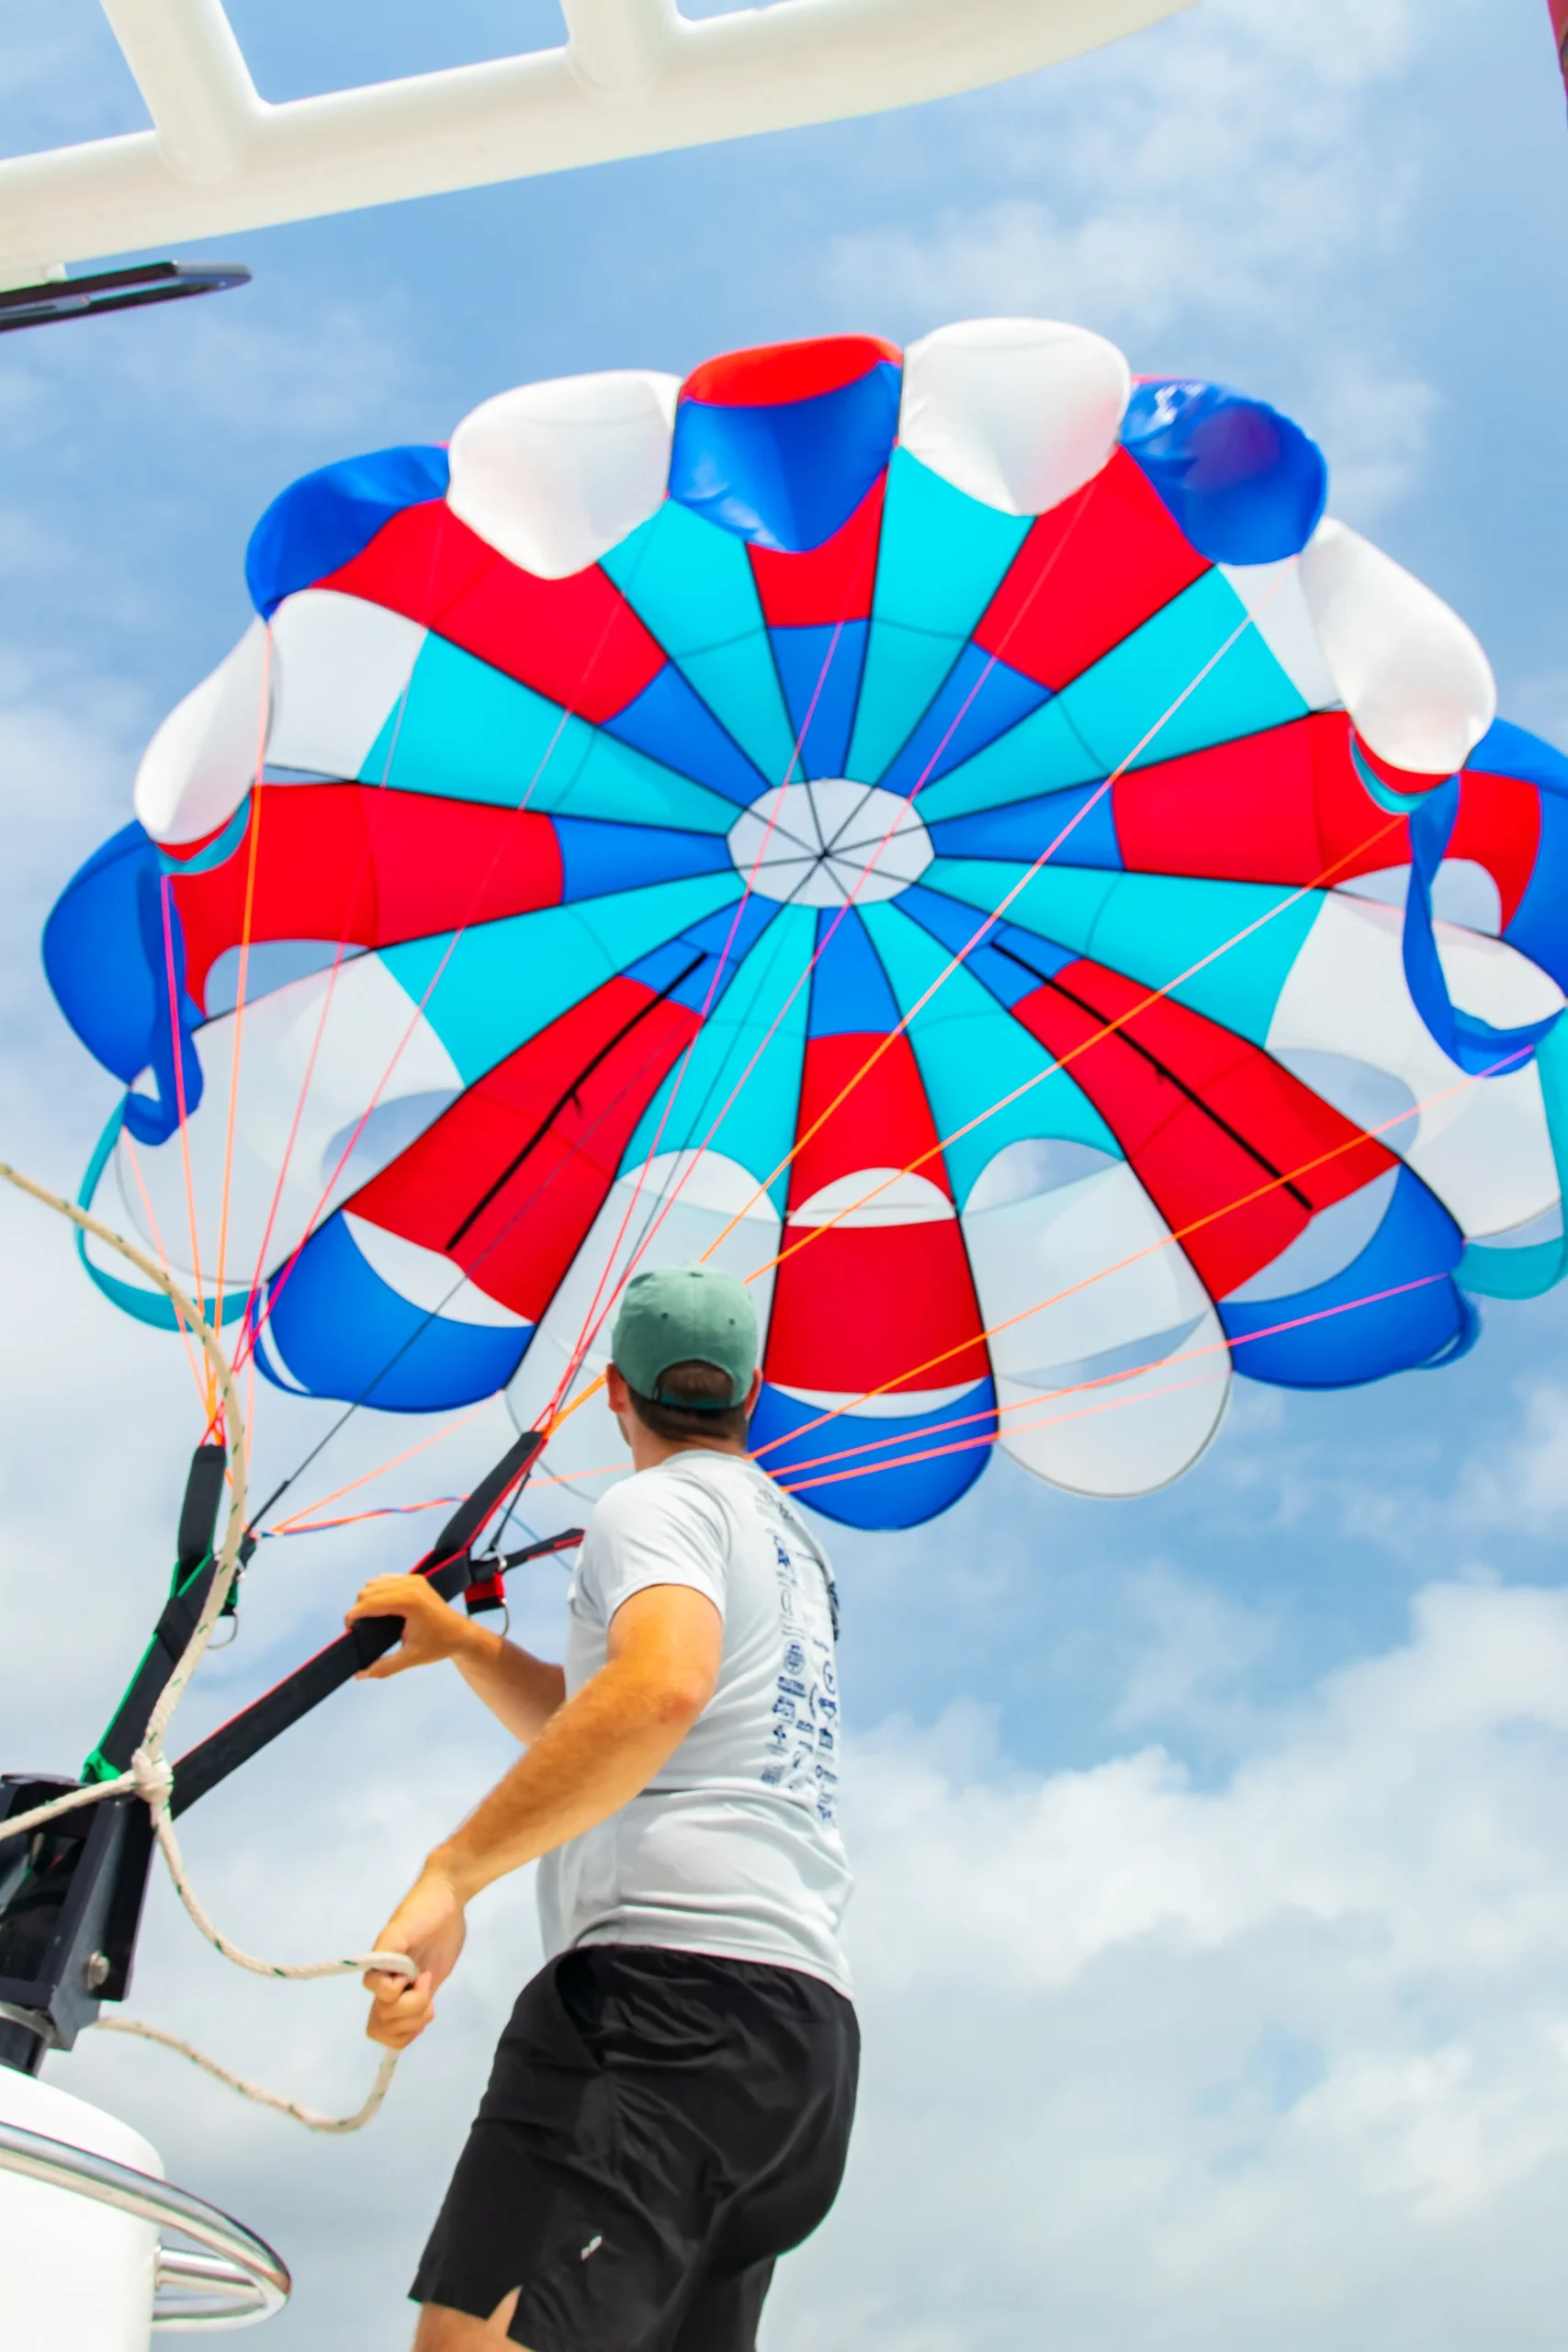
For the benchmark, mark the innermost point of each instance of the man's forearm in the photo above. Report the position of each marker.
(591, 1757)
(520, 1690)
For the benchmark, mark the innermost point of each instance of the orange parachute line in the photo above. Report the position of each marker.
(592, 1326)
(253, 1322)
(1108, 1029)
(968, 1445)
(898, 1031)
(1225, 1347)
(592, 1318)
(885, 1044)
(1114, 1404)
(247, 916)
(298, 1525)
(1150, 1249)
(576, 1477)
(368, 1476)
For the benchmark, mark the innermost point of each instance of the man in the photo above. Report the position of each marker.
(670, 2106)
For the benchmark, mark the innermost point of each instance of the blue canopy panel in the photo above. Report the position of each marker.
(94, 956)
(1076, 828)
(325, 519)
(819, 670)
(980, 699)
(111, 945)
(1535, 927)
(810, 1456)
(339, 1330)
(781, 447)
(1394, 1309)
(1243, 483)
(850, 994)
(669, 723)
(598, 858)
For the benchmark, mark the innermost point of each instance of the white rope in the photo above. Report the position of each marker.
(392, 1963)
(259, 2097)
(151, 1776)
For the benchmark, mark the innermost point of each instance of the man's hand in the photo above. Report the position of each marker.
(432, 1629)
(429, 1926)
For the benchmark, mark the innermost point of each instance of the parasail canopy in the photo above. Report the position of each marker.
(953, 836)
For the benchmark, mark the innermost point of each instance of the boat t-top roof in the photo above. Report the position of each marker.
(633, 77)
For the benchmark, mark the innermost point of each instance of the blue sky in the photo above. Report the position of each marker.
(1213, 1920)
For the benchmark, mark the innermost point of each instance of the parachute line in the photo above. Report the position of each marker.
(1113, 1027)
(885, 1043)
(583, 1075)
(243, 978)
(246, 1343)
(1164, 1070)
(1110, 1405)
(163, 1257)
(1172, 1237)
(264, 1309)
(167, 909)
(594, 1320)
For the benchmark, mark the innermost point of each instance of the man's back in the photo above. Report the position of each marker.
(733, 1847)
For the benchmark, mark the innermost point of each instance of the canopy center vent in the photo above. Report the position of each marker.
(824, 843)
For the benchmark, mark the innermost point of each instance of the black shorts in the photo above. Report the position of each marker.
(660, 2127)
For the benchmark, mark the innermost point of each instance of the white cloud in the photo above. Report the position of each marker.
(1147, 2064)
(1287, 2060)
(1527, 1485)
(1212, 188)
(343, 370)
(1194, 1650)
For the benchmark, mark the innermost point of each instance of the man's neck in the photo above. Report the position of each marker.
(648, 1451)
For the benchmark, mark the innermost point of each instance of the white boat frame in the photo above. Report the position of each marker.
(634, 78)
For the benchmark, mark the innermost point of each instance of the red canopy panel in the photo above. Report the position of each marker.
(576, 641)
(1091, 571)
(367, 865)
(1287, 807)
(508, 1182)
(1212, 1166)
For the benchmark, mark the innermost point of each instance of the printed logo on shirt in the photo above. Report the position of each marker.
(804, 1737)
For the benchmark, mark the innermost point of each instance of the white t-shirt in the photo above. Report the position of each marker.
(733, 1847)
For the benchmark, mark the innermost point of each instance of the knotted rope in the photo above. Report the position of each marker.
(151, 1776)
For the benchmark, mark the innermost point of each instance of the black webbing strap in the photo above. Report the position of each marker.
(449, 1569)
(194, 1567)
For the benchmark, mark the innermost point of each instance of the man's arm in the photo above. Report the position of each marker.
(522, 1691)
(591, 1757)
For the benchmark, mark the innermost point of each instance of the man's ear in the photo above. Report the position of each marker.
(754, 1391)
(616, 1395)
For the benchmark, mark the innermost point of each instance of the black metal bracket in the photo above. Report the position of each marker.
(71, 1897)
(487, 1588)
(72, 1891)
(451, 1568)
(57, 298)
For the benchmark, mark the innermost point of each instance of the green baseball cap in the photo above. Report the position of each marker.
(685, 1314)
